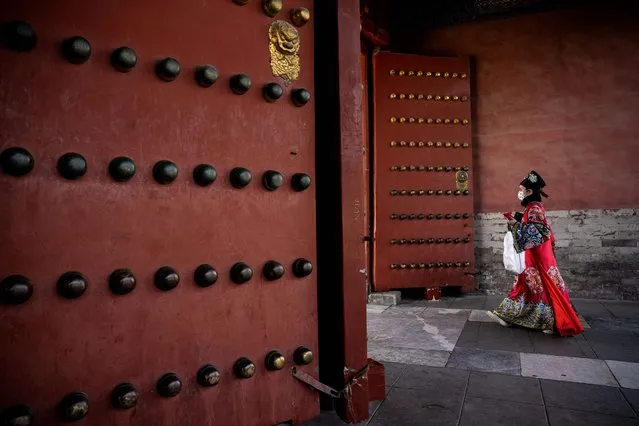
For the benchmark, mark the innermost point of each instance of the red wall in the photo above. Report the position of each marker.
(557, 92)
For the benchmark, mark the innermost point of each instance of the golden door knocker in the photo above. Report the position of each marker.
(284, 45)
(461, 178)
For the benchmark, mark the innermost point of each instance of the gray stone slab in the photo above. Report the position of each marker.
(591, 398)
(392, 371)
(561, 346)
(378, 325)
(492, 301)
(443, 326)
(591, 308)
(469, 335)
(444, 302)
(567, 369)
(564, 417)
(614, 345)
(480, 412)
(477, 315)
(615, 324)
(469, 302)
(418, 407)
(626, 373)
(458, 315)
(492, 336)
(403, 311)
(504, 387)
(623, 309)
(414, 302)
(376, 309)
(425, 331)
(485, 360)
(385, 298)
(432, 358)
(438, 381)
(585, 347)
(583, 321)
(632, 396)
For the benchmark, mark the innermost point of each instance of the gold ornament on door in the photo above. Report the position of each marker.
(461, 178)
(284, 45)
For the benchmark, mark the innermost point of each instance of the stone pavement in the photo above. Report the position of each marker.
(448, 364)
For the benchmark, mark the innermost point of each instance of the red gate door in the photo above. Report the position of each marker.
(158, 227)
(423, 163)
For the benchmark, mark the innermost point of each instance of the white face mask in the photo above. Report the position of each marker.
(521, 195)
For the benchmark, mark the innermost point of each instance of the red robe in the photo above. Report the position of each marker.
(539, 298)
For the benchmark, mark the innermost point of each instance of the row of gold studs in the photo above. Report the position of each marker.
(420, 96)
(412, 73)
(428, 168)
(432, 265)
(404, 192)
(429, 144)
(421, 216)
(421, 241)
(421, 120)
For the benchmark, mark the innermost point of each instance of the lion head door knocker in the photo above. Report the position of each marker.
(461, 178)
(284, 45)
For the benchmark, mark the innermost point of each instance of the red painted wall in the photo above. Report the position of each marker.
(557, 92)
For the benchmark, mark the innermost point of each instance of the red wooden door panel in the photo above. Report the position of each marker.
(422, 173)
(53, 346)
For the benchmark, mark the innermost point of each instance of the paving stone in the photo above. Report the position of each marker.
(378, 325)
(403, 311)
(591, 398)
(626, 373)
(444, 325)
(584, 322)
(485, 360)
(503, 387)
(564, 417)
(591, 308)
(438, 381)
(562, 346)
(469, 335)
(428, 331)
(432, 358)
(376, 309)
(444, 302)
(614, 345)
(483, 412)
(493, 301)
(568, 369)
(419, 407)
(413, 302)
(623, 309)
(469, 302)
(632, 396)
(392, 371)
(477, 315)
(385, 298)
(615, 324)
(492, 336)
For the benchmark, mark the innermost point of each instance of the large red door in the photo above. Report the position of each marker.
(145, 269)
(423, 164)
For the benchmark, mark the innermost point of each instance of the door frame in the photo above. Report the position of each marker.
(340, 193)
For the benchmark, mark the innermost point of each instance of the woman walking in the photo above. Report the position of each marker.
(539, 299)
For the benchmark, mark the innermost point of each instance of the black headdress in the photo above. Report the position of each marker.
(535, 182)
